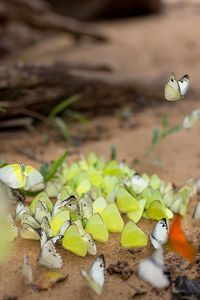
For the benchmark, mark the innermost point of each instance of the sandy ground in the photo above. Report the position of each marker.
(160, 44)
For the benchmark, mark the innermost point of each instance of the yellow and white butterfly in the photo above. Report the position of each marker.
(152, 270)
(95, 277)
(49, 257)
(176, 89)
(20, 176)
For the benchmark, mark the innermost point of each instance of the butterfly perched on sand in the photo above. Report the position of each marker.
(176, 89)
(20, 176)
(95, 277)
(159, 234)
(177, 242)
(153, 270)
(49, 257)
(196, 213)
(72, 204)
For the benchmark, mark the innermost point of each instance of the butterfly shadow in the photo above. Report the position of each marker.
(86, 293)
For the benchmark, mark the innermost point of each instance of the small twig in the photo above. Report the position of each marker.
(27, 153)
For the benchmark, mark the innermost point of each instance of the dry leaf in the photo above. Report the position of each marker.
(49, 279)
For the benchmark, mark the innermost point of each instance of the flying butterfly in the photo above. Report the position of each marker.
(177, 242)
(159, 234)
(49, 257)
(153, 270)
(95, 277)
(176, 89)
(20, 176)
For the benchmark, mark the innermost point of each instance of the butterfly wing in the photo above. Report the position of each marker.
(97, 271)
(34, 177)
(95, 277)
(151, 270)
(45, 225)
(49, 257)
(72, 204)
(184, 84)
(172, 89)
(177, 241)
(138, 183)
(43, 237)
(13, 176)
(159, 234)
(91, 246)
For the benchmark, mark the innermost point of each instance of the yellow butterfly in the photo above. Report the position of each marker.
(176, 89)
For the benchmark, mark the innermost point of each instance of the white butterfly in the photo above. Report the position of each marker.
(95, 277)
(41, 211)
(27, 270)
(159, 233)
(49, 257)
(64, 227)
(152, 270)
(28, 232)
(72, 204)
(20, 176)
(176, 89)
(45, 225)
(30, 220)
(20, 210)
(43, 238)
(91, 246)
(138, 184)
(196, 213)
(191, 118)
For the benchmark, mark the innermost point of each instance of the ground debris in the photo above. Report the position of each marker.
(186, 289)
(7, 297)
(122, 268)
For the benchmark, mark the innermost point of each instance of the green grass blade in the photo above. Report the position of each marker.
(174, 129)
(54, 167)
(155, 136)
(113, 153)
(78, 116)
(63, 127)
(62, 105)
(164, 124)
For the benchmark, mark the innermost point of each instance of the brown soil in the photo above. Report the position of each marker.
(158, 45)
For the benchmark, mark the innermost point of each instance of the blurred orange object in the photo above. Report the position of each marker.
(177, 241)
